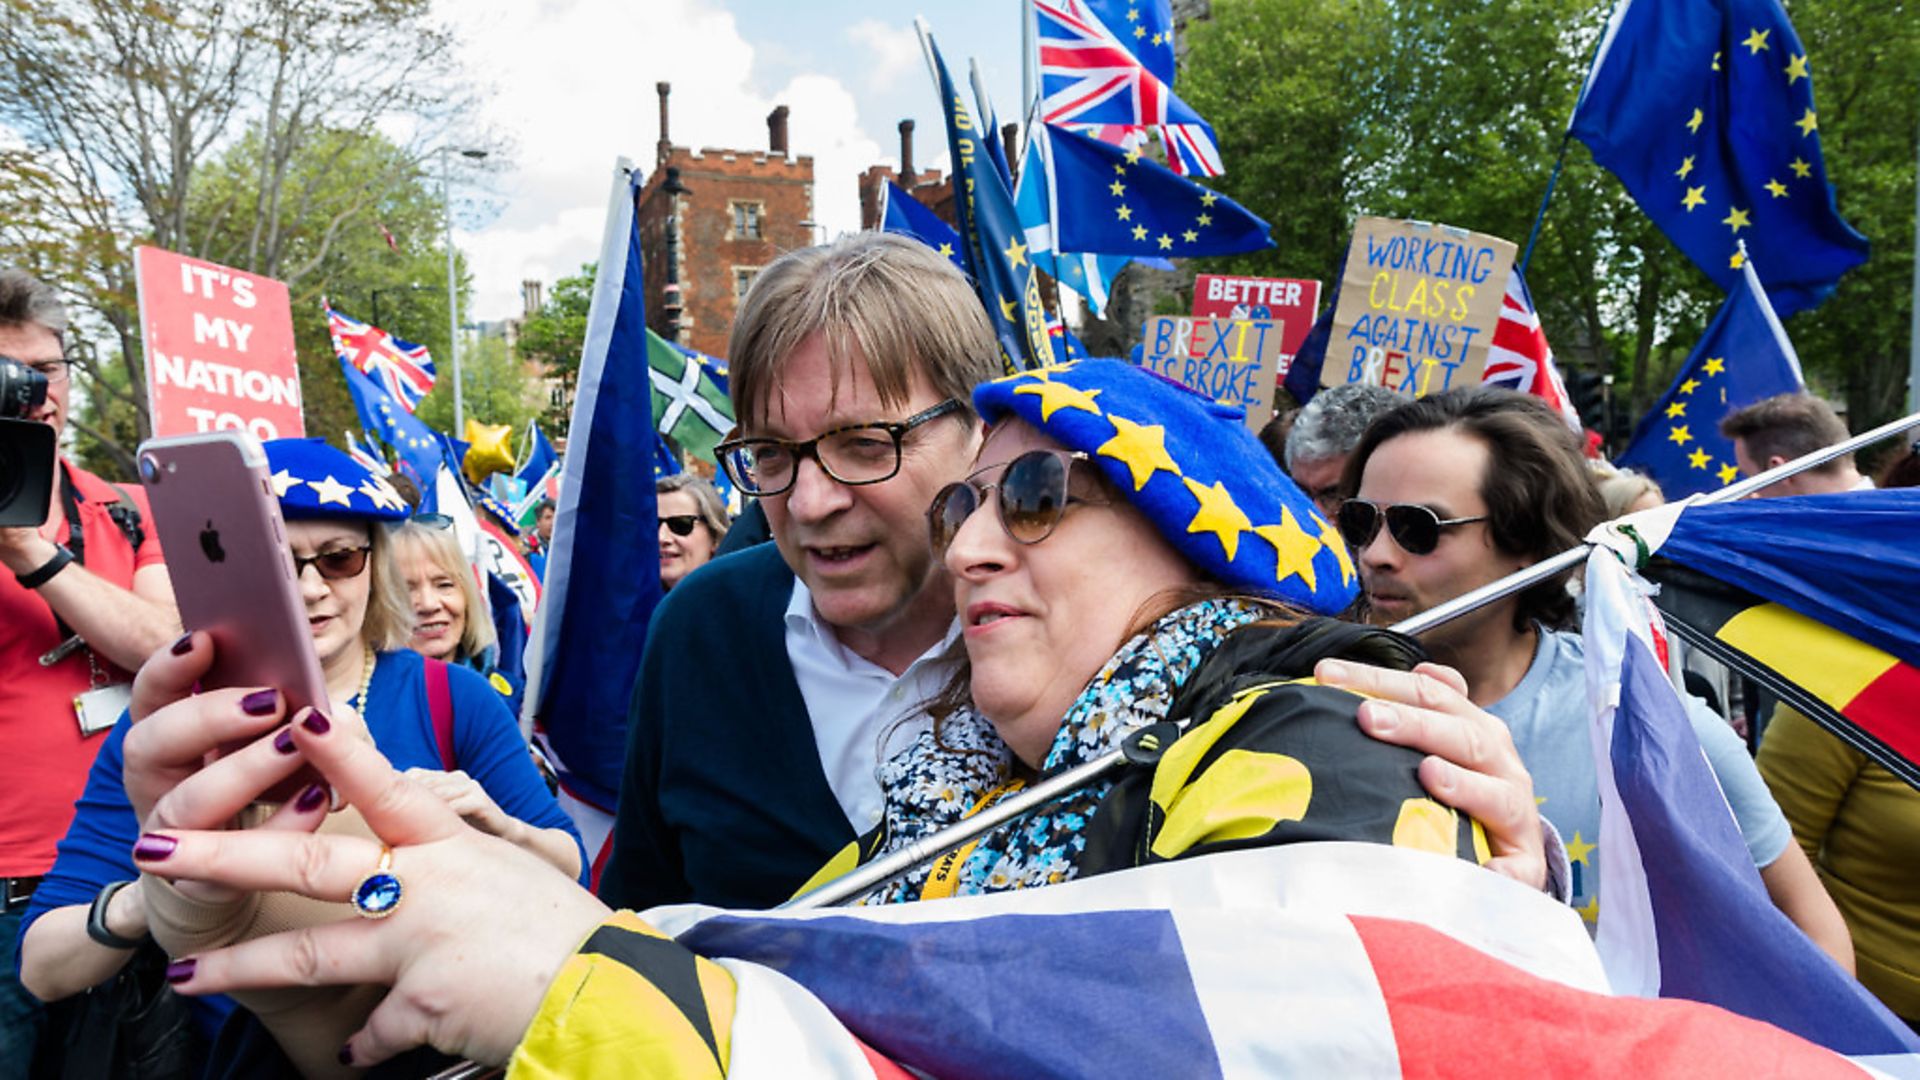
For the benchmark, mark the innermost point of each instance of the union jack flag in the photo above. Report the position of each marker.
(1519, 357)
(1092, 81)
(404, 369)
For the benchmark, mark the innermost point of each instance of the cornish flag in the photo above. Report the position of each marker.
(405, 369)
(1091, 80)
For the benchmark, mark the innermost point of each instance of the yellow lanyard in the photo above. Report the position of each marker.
(945, 875)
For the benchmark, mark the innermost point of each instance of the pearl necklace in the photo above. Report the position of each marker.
(359, 700)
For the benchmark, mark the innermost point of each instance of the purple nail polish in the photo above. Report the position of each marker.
(317, 722)
(184, 645)
(345, 1055)
(153, 847)
(310, 798)
(283, 742)
(260, 702)
(181, 970)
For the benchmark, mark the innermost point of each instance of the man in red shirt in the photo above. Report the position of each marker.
(85, 601)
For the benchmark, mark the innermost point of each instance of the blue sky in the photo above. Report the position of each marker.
(571, 89)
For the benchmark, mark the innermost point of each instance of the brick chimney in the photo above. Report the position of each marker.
(906, 154)
(1010, 141)
(777, 130)
(666, 143)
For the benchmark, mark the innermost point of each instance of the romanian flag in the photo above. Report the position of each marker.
(1812, 598)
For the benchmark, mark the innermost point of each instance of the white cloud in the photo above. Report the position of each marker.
(895, 49)
(573, 88)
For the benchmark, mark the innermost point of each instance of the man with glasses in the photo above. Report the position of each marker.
(86, 600)
(1457, 490)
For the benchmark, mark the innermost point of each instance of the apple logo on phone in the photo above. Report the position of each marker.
(210, 543)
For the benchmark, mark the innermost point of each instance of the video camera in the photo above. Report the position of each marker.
(26, 447)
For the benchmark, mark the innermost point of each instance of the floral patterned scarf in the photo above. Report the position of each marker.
(934, 783)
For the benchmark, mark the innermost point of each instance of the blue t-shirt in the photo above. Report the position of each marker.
(98, 847)
(1547, 714)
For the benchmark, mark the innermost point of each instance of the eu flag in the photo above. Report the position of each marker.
(393, 422)
(1116, 202)
(993, 245)
(902, 213)
(1744, 356)
(1704, 110)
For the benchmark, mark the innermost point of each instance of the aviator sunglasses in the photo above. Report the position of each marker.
(1415, 528)
(335, 565)
(681, 524)
(1032, 493)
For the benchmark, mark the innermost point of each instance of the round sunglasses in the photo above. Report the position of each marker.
(1414, 527)
(1032, 492)
(680, 524)
(338, 564)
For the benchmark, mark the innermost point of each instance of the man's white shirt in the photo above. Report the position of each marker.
(862, 713)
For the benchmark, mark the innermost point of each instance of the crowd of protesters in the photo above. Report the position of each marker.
(974, 582)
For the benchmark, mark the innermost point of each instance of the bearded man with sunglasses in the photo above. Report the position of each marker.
(1459, 489)
(778, 677)
(86, 598)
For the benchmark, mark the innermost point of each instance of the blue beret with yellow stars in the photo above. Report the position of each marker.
(314, 480)
(1192, 467)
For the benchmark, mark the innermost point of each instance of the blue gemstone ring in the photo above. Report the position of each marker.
(378, 894)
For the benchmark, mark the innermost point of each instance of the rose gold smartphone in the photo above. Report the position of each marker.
(226, 546)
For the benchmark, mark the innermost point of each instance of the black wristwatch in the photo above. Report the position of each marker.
(33, 579)
(97, 920)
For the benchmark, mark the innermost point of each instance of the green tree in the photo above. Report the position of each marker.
(552, 339)
(497, 388)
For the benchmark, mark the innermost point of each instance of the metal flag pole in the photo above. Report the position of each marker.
(865, 879)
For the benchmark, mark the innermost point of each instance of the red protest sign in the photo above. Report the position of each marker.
(219, 347)
(1291, 302)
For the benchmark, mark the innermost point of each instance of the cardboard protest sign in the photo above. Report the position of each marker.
(1417, 306)
(1234, 361)
(1292, 302)
(219, 345)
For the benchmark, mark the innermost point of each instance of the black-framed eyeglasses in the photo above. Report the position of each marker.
(681, 524)
(337, 564)
(1414, 527)
(1033, 492)
(55, 370)
(852, 455)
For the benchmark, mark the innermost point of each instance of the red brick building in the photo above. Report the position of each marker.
(929, 186)
(710, 220)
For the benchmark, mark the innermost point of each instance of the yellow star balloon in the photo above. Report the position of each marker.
(491, 452)
(1218, 514)
(1293, 548)
(1142, 447)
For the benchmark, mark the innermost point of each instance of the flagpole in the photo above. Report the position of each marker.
(1560, 159)
(865, 879)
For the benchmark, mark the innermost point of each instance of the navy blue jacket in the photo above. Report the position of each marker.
(724, 800)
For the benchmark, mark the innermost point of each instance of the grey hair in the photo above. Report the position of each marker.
(26, 300)
(713, 512)
(1331, 424)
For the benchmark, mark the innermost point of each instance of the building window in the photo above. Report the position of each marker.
(746, 220)
(743, 280)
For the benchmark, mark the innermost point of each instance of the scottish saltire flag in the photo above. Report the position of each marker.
(1812, 596)
(1090, 78)
(393, 423)
(1519, 357)
(994, 248)
(1686, 915)
(592, 619)
(541, 455)
(1118, 202)
(1743, 357)
(403, 368)
(1704, 110)
(903, 214)
(1323, 959)
(689, 405)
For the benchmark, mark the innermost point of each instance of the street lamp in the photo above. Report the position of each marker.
(812, 225)
(453, 295)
